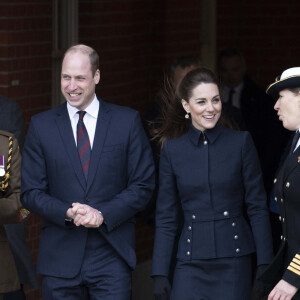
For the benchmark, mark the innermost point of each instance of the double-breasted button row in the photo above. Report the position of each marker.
(283, 238)
(276, 199)
(281, 219)
(188, 240)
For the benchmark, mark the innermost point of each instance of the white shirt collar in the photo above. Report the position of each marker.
(92, 109)
(237, 88)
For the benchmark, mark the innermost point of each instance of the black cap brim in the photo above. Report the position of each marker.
(290, 82)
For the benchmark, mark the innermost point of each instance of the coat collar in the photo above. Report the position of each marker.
(102, 126)
(211, 135)
(65, 129)
(292, 162)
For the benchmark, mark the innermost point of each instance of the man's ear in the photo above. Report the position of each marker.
(97, 76)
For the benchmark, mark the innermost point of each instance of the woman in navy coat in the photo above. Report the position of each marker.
(209, 175)
(283, 274)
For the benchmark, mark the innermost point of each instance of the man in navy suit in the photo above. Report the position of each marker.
(88, 238)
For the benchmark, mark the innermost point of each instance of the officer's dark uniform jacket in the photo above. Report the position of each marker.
(215, 179)
(9, 208)
(287, 195)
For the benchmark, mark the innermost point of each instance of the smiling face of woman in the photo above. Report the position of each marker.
(204, 106)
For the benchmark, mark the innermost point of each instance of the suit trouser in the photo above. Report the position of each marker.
(16, 295)
(104, 275)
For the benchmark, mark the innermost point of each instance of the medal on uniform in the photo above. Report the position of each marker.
(2, 167)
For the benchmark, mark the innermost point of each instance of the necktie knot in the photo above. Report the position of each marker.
(81, 114)
(230, 96)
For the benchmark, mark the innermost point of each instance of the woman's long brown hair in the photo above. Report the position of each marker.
(172, 122)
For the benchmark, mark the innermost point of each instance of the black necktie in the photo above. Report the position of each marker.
(294, 142)
(83, 144)
(231, 92)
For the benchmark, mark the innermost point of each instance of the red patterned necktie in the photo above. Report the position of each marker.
(83, 144)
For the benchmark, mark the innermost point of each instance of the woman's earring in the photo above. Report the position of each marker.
(187, 116)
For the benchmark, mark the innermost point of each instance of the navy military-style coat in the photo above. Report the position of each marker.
(287, 195)
(215, 179)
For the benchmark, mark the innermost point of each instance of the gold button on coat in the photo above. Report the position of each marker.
(287, 185)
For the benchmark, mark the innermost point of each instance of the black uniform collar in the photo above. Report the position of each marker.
(196, 135)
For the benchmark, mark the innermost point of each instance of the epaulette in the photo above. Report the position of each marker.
(5, 177)
(6, 133)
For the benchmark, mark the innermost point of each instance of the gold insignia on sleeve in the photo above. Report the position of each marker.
(23, 214)
(4, 182)
(295, 265)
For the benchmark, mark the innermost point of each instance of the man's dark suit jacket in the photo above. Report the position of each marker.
(120, 183)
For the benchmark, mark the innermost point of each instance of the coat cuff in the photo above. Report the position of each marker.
(292, 273)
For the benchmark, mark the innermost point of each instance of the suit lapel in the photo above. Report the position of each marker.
(291, 163)
(100, 134)
(65, 130)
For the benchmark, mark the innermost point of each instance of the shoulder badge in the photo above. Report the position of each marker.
(2, 167)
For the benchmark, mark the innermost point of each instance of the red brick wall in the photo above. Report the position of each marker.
(265, 31)
(137, 39)
(25, 49)
(25, 72)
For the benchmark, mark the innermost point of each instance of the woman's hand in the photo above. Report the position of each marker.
(161, 288)
(282, 291)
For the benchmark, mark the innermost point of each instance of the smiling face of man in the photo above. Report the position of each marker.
(77, 81)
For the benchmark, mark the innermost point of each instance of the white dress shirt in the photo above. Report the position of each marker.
(298, 143)
(89, 120)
